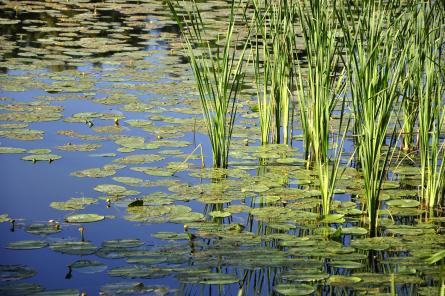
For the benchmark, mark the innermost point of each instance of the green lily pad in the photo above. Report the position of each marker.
(347, 264)
(43, 229)
(219, 214)
(19, 289)
(139, 159)
(74, 248)
(84, 218)
(88, 266)
(133, 288)
(171, 235)
(15, 272)
(27, 245)
(79, 147)
(75, 203)
(293, 289)
(61, 292)
(42, 157)
(39, 151)
(139, 272)
(94, 173)
(11, 150)
(354, 230)
(403, 203)
(4, 218)
(343, 281)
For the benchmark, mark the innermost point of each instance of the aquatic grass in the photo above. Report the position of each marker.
(375, 68)
(431, 90)
(218, 73)
(273, 63)
(319, 93)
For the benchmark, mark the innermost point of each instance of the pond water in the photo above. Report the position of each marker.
(98, 112)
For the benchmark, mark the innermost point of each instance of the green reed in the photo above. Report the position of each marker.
(274, 47)
(318, 93)
(218, 72)
(375, 67)
(431, 90)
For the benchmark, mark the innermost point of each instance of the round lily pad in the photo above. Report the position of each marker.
(88, 266)
(11, 150)
(293, 289)
(354, 230)
(27, 245)
(403, 203)
(15, 272)
(42, 157)
(343, 281)
(84, 218)
(17, 289)
(219, 214)
(61, 292)
(74, 248)
(43, 228)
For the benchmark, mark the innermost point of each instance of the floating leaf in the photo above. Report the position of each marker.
(403, 203)
(61, 292)
(219, 214)
(18, 289)
(293, 289)
(42, 157)
(15, 272)
(84, 218)
(75, 203)
(79, 147)
(11, 150)
(88, 266)
(27, 245)
(74, 248)
(49, 228)
(343, 281)
(94, 173)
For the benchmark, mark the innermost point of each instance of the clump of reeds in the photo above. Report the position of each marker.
(274, 48)
(430, 88)
(319, 91)
(218, 72)
(375, 68)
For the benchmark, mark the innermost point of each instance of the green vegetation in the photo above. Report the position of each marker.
(219, 76)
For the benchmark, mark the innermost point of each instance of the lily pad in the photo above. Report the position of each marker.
(74, 248)
(15, 272)
(42, 157)
(75, 203)
(19, 289)
(343, 281)
(43, 229)
(61, 292)
(220, 214)
(403, 203)
(11, 150)
(293, 289)
(27, 245)
(88, 266)
(84, 218)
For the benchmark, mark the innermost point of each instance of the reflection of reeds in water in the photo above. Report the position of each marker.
(374, 69)
(218, 73)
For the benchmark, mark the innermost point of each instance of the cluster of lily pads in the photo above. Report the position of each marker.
(253, 226)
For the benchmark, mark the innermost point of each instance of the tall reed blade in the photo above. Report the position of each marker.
(319, 92)
(375, 68)
(218, 73)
